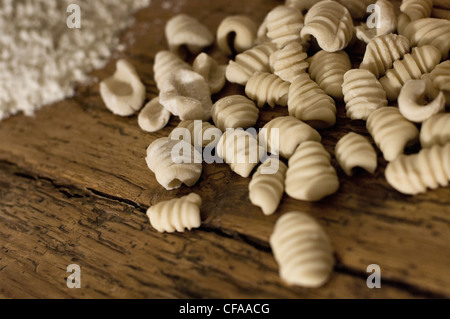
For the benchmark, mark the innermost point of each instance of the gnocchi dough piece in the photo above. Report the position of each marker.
(331, 24)
(328, 69)
(387, 23)
(413, 174)
(241, 28)
(391, 131)
(267, 88)
(267, 185)
(289, 62)
(363, 94)
(310, 176)
(247, 63)
(176, 214)
(308, 102)
(422, 60)
(354, 150)
(284, 25)
(441, 79)
(382, 51)
(167, 63)
(153, 117)
(123, 93)
(240, 150)
(199, 134)
(291, 133)
(302, 250)
(435, 130)
(174, 162)
(212, 72)
(234, 111)
(184, 30)
(416, 9)
(186, 94)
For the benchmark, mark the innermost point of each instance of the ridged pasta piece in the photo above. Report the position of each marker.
(291, 133)
(413, 174)
(199, 134)
(241, 28)
(184, 30)
(267, 185)
(174, 162)
(391, 131)
(123, 93)
(354, 150)
(247, 63)
(234, 111)
(402, 21)
(167, 63)
(213, 73)
(186, 94)
(289, 62)
(382, 51)
(331, 24)
(328, 69)
(176, 214)
(267, 88)
(386, 24)
(363, 94)
(422, 60)
(302, 5)
(310, 176)
(435, 130)
(429, 31)
(416, 9)
(308, 102)
(357, 8)
(153, 116)
(441, 79)
(284, 25)
(302, 250)
(240, 150)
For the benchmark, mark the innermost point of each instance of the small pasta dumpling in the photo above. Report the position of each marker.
(310, 176)
(289, 62)
(267, 88)
(416, 9)
(242, 31)
(154, 116)
(174, 162)
(167, 63)
(176, 214)
(302, 250)
(435, 130)
(354, 150)
(234, 111)
(283, 25)
(213, 73)
(198, 133)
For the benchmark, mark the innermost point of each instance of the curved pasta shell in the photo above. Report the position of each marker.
(413, 174)
(309, 103)
(167, 63)
(242, 28)
(435, 130)
(289, 62)
(310, 176)
(267, 88)
(331, 24)
(172, 170)
(302, 250)
(153, 116)
(354, 150)
(247, 63)
(416, 9)
(234, 111)
(176, 214)
(212, 72)
(199, 134)
(284, 24)
(382, 51)
(441, 79)
(291, 133)
(391, 131)
(363, 94)
(267, 185)
(328, 69)
(422, 60)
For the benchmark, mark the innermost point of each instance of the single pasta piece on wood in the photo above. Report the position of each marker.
(234, 111)
(212, 72)
(413, 174)
(174, 162)
(267, 88)
(198, 133)
(363, 94)
(354, 150)
(310, 176)
(290, 133)
(435, 130)
(289, 62)
(176, 214)
(302, 250)
(154, 116)
(241, 28)
(308, 102)
(284, 25)
(391, 131)
(267, 185)
(416, 9)
(167, 63)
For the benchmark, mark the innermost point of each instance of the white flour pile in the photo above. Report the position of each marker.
(41, 58)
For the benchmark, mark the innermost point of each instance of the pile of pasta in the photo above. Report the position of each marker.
(297, 59)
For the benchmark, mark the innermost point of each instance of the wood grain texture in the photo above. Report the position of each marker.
(74, 187)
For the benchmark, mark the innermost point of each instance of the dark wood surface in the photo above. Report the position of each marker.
(74, 188)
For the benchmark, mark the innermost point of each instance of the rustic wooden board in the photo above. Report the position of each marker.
(74, 187)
